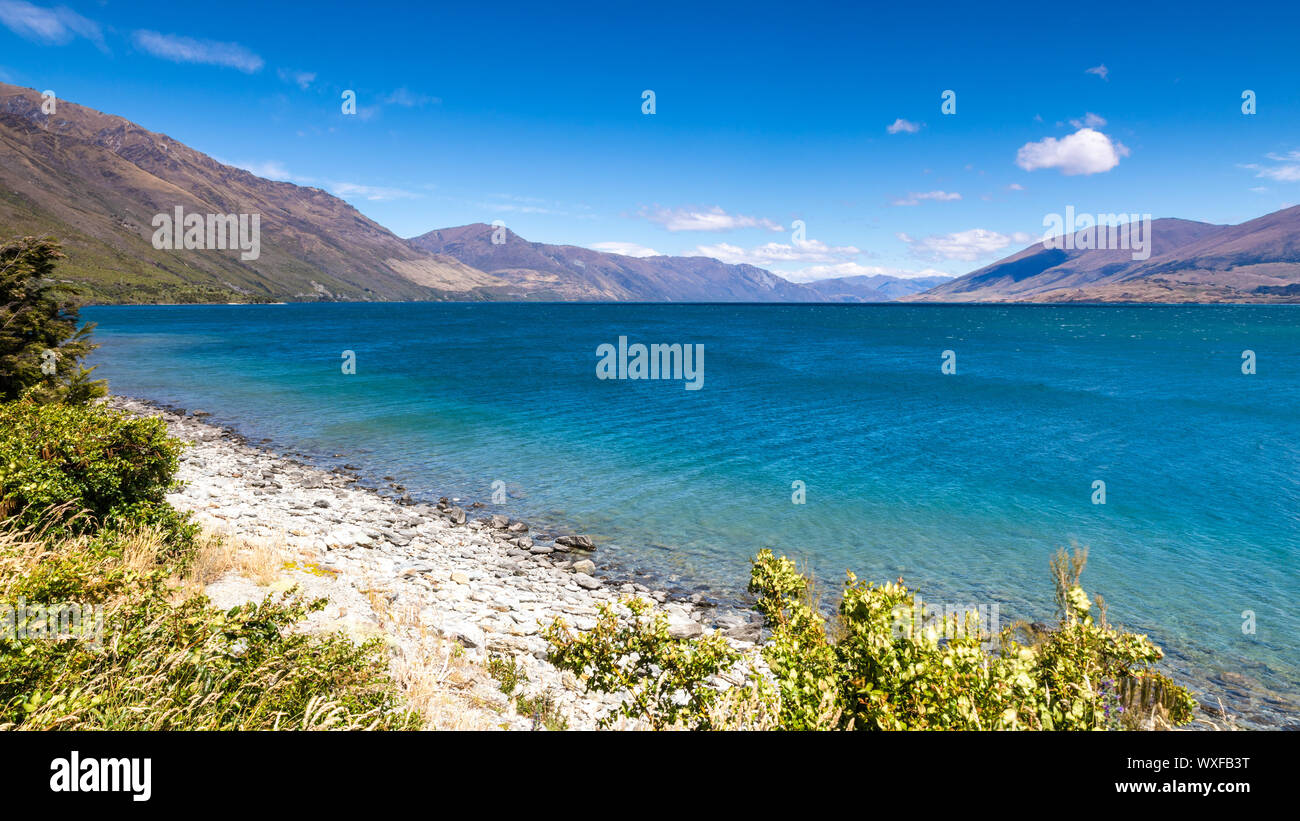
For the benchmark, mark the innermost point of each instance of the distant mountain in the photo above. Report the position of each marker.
(96, 182)
(876, 288)
(535, 270)
(1256, 261)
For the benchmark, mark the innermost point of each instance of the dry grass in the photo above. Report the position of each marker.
(1224, 722)
(163, 683)
(213, 558)
(446, 689)
(262, 561)
(433, 675)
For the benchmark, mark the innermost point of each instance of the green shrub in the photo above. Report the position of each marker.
(167, 664)
(82, 467)
(876, 668)
(666, 679)
(83, 490)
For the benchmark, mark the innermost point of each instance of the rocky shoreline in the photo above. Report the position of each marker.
(455, 570)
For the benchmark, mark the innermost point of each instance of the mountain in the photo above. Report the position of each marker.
(1256, 261)
(535, 270)
(875, 288)
(97, 181)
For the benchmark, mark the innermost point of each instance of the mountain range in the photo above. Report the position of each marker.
(97, 182)
(1256, 261)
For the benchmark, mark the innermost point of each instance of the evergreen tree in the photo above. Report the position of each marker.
(41, 345)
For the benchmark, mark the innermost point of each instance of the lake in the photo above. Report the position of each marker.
(830, 433)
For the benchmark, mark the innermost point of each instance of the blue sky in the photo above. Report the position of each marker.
(765, 113)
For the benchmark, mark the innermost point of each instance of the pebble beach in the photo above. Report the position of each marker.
(408, 570)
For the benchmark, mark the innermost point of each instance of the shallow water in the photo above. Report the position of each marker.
(962, 484)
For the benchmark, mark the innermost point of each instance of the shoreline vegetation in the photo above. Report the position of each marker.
(415, 616)
(230, 588)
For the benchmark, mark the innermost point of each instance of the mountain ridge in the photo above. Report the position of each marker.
(96, 181)
(539, 270)
(1254, 261)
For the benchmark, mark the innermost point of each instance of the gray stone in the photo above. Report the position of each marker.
(684, 628)
(417, 569)
(465, 633)
(579, 541)
(586, 566)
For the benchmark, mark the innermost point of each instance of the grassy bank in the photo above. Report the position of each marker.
(89, 531)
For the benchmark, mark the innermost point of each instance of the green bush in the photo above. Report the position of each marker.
(167, 664)
(876, 668)
(83, 467)
(87, 524)
(667, 679)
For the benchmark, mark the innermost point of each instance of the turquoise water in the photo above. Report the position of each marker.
(962, 484)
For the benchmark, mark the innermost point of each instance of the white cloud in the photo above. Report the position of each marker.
(914, 198)
(967, 246)
(901, 126)
(302, 79)
(1101, 71)
(1086, 151)
(627, 249)
(712, 219)
(409, 99)
(270, 169)
(206, 52)
(1015, 186)
(1089, 120)
(373, 193)
(1287, 169)
(776, 253)
(54, 27)
(273, 170)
